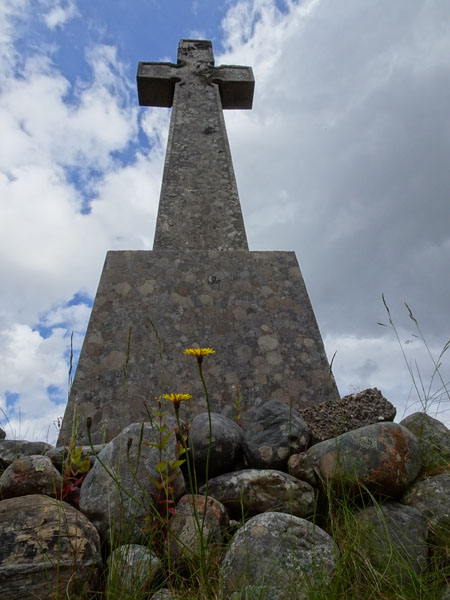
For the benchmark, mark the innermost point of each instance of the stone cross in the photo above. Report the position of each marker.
(199, 206)
(200, 285)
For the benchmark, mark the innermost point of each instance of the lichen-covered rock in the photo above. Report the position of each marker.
(335, 417)
(12, 449)
(59, 454)
(433, 436)
(301, 467)
(30, 475)
(252, 492)
(117, 498)
(274, 555)
(226, 444)
(394, 539)
(131, 569)
(384, 458)
(432, 497)
(163, 594)
(48, 549)
(197, 520)
(275, 432)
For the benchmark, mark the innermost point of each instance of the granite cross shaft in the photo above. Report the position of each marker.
(199, 286)
(199, 205)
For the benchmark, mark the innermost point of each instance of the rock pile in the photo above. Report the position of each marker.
(256, 514)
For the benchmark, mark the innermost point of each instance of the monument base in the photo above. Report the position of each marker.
(251, 307)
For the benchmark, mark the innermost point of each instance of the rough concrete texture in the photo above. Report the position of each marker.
(251, 307)
(350, 412)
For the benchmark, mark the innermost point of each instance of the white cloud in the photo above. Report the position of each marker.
(60, 13)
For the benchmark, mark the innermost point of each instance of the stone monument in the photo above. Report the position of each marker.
(200, 285)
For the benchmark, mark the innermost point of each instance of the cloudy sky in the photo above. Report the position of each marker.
(344, 159)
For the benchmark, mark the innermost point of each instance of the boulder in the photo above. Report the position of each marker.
(433, 436)
(301, 467)
(274, 555)
(131, 569)
(30, 475)
(275, 432)
(197, 521)
(335, 417)
(121, 488)
(226, 444)
(432, 497)
(393, 537)
(2, 434)
(48, 549)
(252, 492)
(384, 458)
(163, 594)
(12, 449)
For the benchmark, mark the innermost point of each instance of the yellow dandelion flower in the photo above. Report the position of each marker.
(199, 352)
(177, 398)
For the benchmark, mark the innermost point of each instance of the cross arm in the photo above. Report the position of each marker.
(236, 86)
(156, 83)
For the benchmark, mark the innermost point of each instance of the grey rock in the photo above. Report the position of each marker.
(131, 569)
(301, 467)
(384, 458)
(275, 432)
(335, 417)
(433, 436)
(2, 434)
(255, 491)
(30, 475)
(226, 444)
(12, 449)
(273, 555)
(163, 594)
(59, 454)
(394, 539)
(48, 549)
(432, 497)
(198, 521)
(118, 510)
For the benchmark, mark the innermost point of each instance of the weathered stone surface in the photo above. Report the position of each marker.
(120, 510)
(46, 547)
(59, 454)
(12, 449)
(273, 352)
(433, 436)
(2, 434)
(198, 520)
(226, 444)
(329, 419)
(394, 539)
(199, 206)
(384, 458)
(252, 491)
(301, 467)
(432, 497)
(131, 569)
(30, 475)
(163, 594)
(274, 554)
(276, 432)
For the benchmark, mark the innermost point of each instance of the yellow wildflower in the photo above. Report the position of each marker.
(177, 398)
(199, 352)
